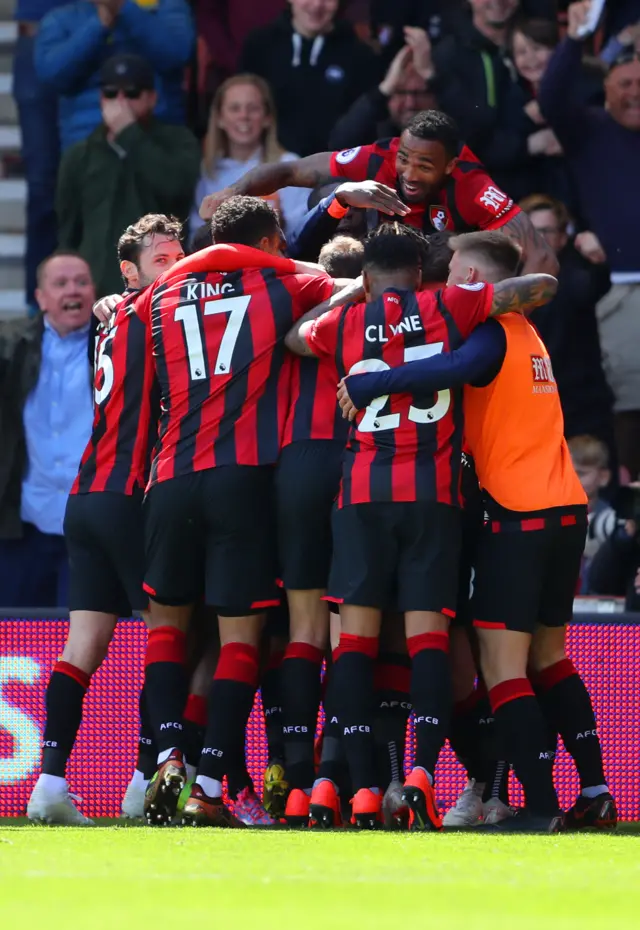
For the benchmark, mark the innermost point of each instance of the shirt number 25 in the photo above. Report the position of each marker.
(373, 421)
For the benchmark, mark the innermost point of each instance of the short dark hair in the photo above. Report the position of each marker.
(435, 264)
(201, 239)
(392, 247)
(59, 253)
(244, 220)
(342, 257)
(494, 247)
(541, 31)
(132, 240)
(436, 126)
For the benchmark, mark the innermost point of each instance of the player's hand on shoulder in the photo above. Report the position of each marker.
(211, 202)
(104, 308)
(371, 195)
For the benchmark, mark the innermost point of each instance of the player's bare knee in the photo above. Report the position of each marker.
(88, 640)
(308, 618)
(547, 647)
(503, 655)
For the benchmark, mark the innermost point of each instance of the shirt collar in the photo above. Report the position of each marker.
(73, 336)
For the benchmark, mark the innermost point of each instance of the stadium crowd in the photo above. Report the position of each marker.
(429, 166)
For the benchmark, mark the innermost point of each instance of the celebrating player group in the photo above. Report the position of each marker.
(359, 462)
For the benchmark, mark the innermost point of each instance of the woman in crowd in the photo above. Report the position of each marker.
(243, 133)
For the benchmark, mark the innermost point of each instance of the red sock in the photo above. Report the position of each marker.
(238, 662)
(195, 710)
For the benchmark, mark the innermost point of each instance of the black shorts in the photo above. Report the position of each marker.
(307, 484)
(527, 569)
(396, 556)
(105, 541)
(472, 521)
(212, 533)
(277, 625)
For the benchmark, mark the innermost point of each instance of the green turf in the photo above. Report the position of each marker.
(117, 879)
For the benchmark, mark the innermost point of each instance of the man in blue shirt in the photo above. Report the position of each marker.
(46, 412)
(75, 40)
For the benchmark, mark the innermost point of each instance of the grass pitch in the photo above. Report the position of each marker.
(130, 878)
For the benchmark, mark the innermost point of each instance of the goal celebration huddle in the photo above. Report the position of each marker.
(344, 483)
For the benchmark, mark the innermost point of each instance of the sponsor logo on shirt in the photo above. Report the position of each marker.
(495, 200)
(439, 217)
(472, 287)
(543, 379)
(347, 155)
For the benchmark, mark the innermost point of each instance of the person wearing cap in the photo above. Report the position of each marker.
(130, 165)
(76, 39)
(602, 147)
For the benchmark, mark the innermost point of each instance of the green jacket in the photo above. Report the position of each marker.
(105, 186)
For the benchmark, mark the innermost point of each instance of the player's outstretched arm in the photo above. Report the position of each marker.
(268, 178)
(296, 338)
(523, 294)
(483, 352)
(537, 256)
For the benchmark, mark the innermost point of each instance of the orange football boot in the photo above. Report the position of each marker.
(296, 813)
(324, 810)
(419, 795)
(366, 809)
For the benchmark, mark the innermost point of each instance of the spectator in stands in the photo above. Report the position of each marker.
(242, 133)
(385, 110)
(316, 67)
(224, 25)
(130, 165)
(627, 38)
(568, 325)
(75, 40)
(474, 83)
(46, 411)
(37, 105)
(590, 459)
(603, 152)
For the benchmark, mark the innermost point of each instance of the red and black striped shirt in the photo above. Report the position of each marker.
(218, 346)
(469, 199)
(314, 412)
(401, 447)
(125, 416)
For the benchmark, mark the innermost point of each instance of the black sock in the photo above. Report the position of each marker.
(471, 729)
(392, 687)
(333, 763)
(566, 704)
(272, 707)
(229, 706)
(147, 750)
(300, 689)
(166, 685)
(65, 694)
(195, 726)
(522, 740)
(352, 683)
(431, 695)
(497, 783)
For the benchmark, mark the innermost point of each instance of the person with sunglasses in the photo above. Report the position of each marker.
(129, 166)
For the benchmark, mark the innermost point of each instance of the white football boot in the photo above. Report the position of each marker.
(468, 809)
(132, 807)
(50, 802)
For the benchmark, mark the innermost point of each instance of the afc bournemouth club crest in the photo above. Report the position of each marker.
(439, 217)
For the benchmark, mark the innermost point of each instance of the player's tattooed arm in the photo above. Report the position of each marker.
(523, 294)
(296, 340)
(537, 256)
(311, 171)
